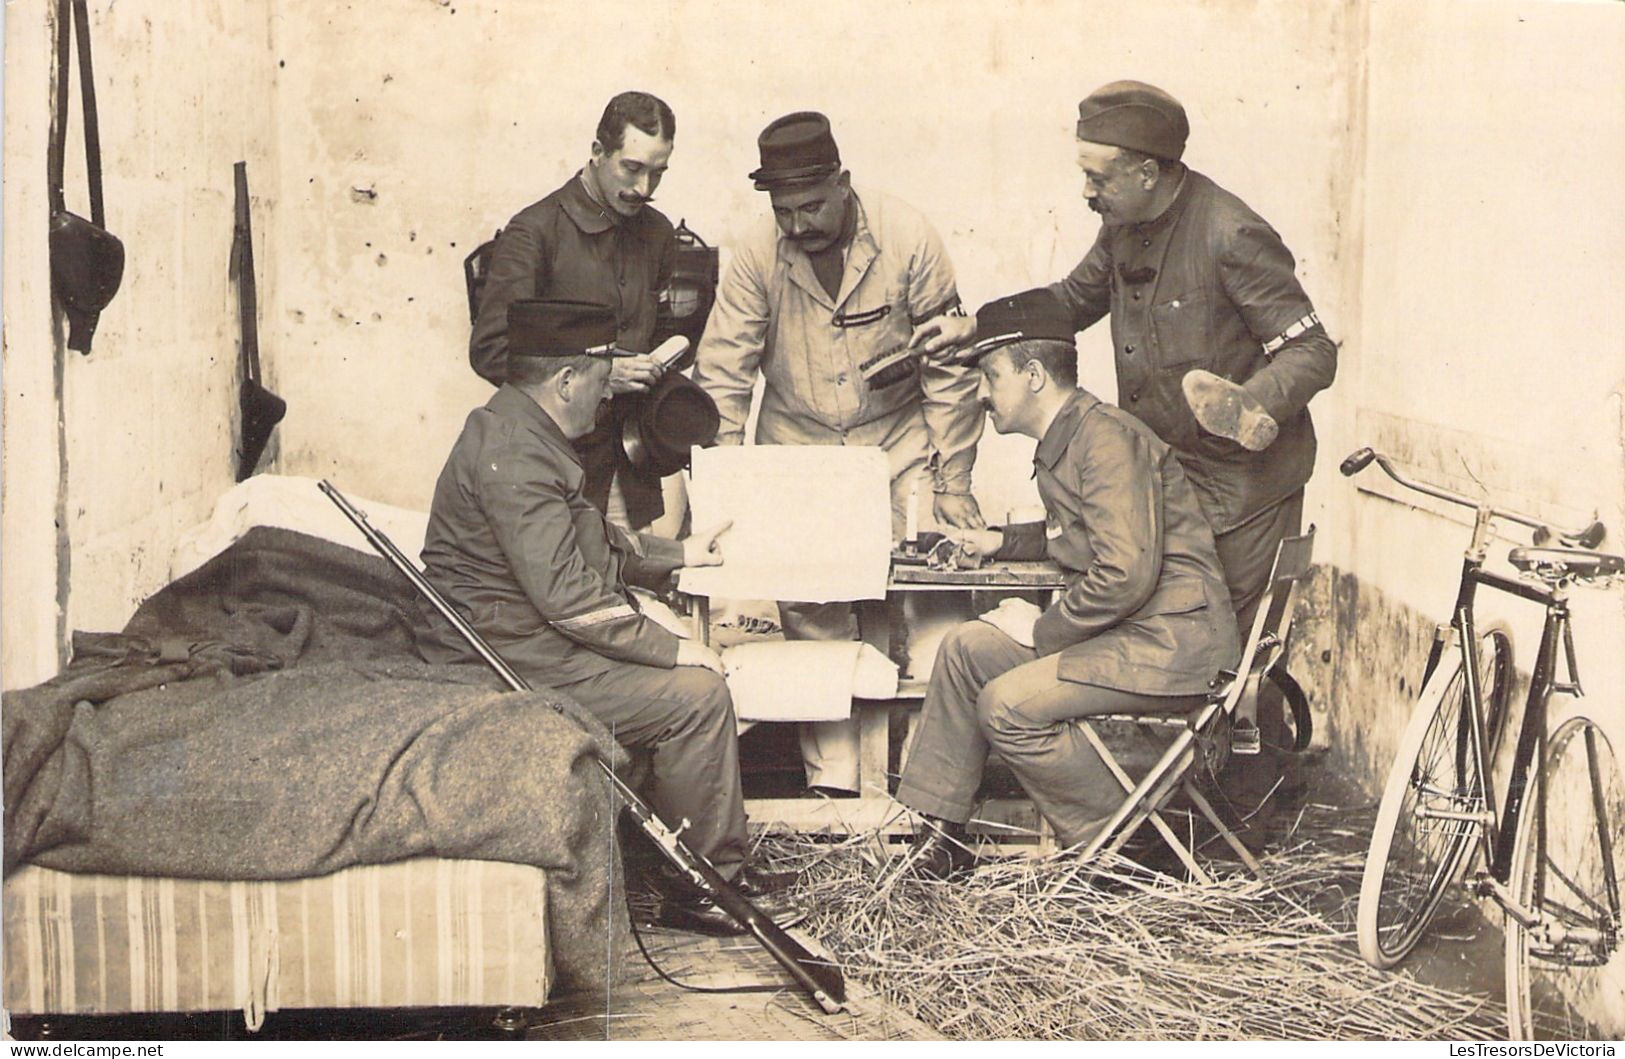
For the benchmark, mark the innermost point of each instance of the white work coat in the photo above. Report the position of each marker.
(773, 316)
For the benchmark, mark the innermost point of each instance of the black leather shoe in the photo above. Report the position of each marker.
(820, 791)
(753, 882)
(943, 853)
(701, 915)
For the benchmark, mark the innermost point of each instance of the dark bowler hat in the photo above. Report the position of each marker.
(538, 327)
(1135, 115)
(1035, 314)
(666, 423)
(796, 149)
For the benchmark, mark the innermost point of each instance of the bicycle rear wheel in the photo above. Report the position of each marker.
(1566, 974)
(1415, 858)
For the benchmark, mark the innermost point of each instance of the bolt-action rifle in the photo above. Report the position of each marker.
(819, 978)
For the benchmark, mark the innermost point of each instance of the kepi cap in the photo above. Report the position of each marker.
(1135, 115)
(1032, 315)
(539, 327)
(796, 149)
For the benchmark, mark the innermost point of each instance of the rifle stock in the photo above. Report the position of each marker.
(822, 981)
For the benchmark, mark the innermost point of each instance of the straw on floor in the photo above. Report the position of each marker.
(1037, 949)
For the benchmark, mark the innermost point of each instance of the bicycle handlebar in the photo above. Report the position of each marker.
(1587, 537)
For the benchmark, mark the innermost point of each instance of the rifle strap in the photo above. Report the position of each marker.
(73, 17)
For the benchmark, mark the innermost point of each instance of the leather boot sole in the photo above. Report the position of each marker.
(1225, 409)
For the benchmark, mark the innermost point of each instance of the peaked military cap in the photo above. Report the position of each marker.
(539, 327)
(1032, 315)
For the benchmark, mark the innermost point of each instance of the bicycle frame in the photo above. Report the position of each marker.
(1495, 838)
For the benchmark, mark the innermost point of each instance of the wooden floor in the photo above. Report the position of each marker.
(649, 1008)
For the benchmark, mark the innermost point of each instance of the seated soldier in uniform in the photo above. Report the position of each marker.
(1143, 624)
(518, 548)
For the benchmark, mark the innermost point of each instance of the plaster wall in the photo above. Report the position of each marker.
(1490, 352)
(147, 418)
(399, 159)
(28, 376)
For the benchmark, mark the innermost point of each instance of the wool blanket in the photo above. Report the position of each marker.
(267, 717)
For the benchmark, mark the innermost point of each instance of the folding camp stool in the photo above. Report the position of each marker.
(1262, 659)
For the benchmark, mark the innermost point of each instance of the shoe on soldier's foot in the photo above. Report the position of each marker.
(1224, 408)
(943, 852)
(756, 883)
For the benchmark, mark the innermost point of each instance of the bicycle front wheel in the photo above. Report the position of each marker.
(1423, 836)
(1566, 973)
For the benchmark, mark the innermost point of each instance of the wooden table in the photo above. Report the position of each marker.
(875, 810)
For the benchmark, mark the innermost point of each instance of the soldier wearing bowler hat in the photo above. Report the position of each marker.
(842, 277)
(515, 544)
(1142, 626)
(1218, 349)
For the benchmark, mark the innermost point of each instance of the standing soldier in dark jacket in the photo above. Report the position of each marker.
(595, 239)
(1218, 348)
(1143, 624)
(514, 544)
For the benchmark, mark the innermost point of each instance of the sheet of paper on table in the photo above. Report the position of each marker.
(811, 523)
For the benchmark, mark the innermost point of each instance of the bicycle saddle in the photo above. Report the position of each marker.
(1567, 563)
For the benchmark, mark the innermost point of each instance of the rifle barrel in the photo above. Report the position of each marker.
(823, 982)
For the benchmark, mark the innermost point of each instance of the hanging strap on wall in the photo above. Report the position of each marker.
(87, 261)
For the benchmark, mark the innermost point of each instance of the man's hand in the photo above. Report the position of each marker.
(633, 374)
(694, 653)
(958, 510)
(703, 549)
(1015, 618)
(943, 332)
(978, 542)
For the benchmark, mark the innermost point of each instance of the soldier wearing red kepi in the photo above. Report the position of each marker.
(516, 545)
(1143, 623)
(1218, 349)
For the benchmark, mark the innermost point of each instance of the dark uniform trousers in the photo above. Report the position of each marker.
(1142, 626)
(684, 718)
(516, 545)
(989, 692)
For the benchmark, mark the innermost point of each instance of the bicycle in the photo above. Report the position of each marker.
(1554, 854)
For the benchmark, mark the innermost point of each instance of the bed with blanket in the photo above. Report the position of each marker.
(257, 795)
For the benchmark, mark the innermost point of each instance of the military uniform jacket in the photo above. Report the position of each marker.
(773, 316)
(1209, 284)
(1145, 608)
(517, 548)
(569, 247)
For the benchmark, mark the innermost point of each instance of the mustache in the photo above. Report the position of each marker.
(1094, 204)
(634, 198)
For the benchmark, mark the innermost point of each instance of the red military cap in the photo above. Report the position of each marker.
(541, 328)
(1032, 315)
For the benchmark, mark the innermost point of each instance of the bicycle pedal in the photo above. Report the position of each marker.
(1244, 739)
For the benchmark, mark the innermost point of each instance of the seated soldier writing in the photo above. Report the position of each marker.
(1143, 624)
(514, 544)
